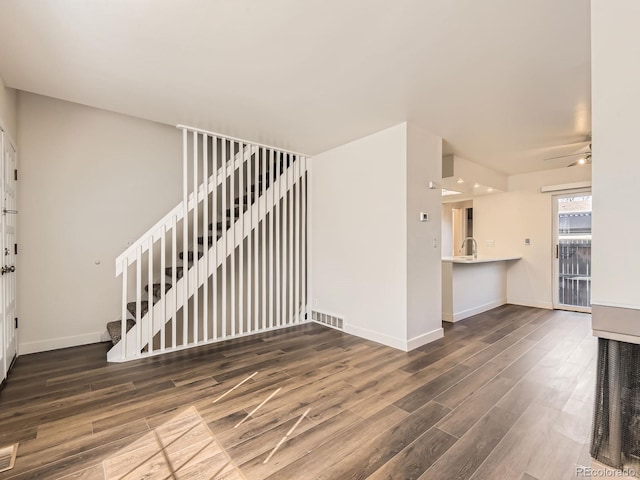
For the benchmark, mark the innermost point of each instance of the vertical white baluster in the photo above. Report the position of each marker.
(232, 265)
(250, 197)
(163, 295)
(258, 192)
(303, 228)
(174, 280)
(205, 236)
(296, 168)
(290, 185)
(138, 299)
(214, 232)
(125, 312)
(308, 185)
(223, 253)
(272, 174)
(150, 295)
(241, 193)
(264, 240)
(275, 196)
(285, 233)
(185, 238)
(196, 278)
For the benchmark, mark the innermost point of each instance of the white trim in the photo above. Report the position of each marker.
(555, 242)
(425, 338)
(457, 316)
(595, 301)
(620, 337)
(397, 343)
(530, 303)
(565, 186)
(309, 250)
(374, 336)
(4, 130)
(155, 353)
(234, 139)
(61, 342)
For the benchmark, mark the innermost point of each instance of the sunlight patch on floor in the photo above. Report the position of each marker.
(182, 448)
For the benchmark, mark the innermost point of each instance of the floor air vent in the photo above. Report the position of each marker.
(8, 457)
(327, 319)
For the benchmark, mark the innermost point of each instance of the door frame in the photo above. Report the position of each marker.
(555, 280)
(7, 323)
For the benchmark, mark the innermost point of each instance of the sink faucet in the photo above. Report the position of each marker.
(474, 244)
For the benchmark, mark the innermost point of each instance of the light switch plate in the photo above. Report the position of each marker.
(424, 217)
(527, 242)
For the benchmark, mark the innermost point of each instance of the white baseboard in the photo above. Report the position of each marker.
(397, 343)
(523, 302)
(470, 312)
(62, 342)
(425, 338)
(376, 337)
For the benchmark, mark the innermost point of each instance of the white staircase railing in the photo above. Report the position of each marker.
(246, 274)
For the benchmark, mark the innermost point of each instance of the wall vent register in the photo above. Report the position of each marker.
(327, 319)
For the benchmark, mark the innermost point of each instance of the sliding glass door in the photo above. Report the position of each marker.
(572, 259)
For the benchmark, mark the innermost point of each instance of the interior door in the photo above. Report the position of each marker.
(572, 255)
(8, 254)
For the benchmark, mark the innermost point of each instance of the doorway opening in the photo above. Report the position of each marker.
(572, 259)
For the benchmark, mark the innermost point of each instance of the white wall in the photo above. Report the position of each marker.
(9, 110)
(366, 196)
(523, 212)
(424, 277)
(358, 228)
(615, 48)
(90, 181)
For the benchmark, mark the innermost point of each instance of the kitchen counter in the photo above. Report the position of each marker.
(480, 259)
(472, 286)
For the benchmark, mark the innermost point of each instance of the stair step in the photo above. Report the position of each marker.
(144, 308)
(218, 226)
(253, 187)
(211, 239)
(190, 255)
(236, 212)
(179, 272)
(115, 329)
(157, 289)
(245, 199)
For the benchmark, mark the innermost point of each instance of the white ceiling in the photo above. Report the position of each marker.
(504, 82)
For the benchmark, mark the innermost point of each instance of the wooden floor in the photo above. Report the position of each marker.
(504, 395)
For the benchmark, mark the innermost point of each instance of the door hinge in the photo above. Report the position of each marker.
(15, 174)
(16, 322)
(15, 248)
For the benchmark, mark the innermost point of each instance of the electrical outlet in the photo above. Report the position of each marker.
(490, 243)
(315, 302)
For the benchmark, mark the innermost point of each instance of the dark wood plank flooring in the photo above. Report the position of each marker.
(504, 395)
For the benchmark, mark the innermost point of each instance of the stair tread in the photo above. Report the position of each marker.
(179, 272)
(157, 289)
(115, 329)
(190, 255)
(144, 308)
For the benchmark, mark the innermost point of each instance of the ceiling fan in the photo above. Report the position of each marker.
(583, 158)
